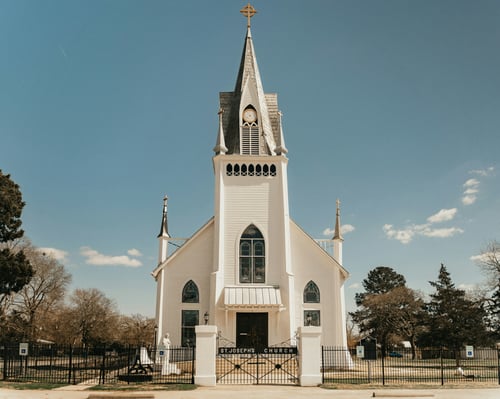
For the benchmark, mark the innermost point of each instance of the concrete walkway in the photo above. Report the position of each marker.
(256, 392)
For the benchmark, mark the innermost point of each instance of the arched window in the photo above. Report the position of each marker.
(190, 293)
(311, 293)
(252, 256)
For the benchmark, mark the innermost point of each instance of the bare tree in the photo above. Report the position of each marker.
(137, 329)
(93, 316)
(42, 294)
(489, 262)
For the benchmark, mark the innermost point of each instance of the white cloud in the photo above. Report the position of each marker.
(347, 228)
(344, 229)
(471, 183)
(442, 233)
(406, 235)
(469, 196)
(403, 236)
(58, 254)
(471, 189)
(443, 215)
(95, 258)
(469, 199)
(485, 257)
(479, 258)
(354, 286)
(483, 172)
(328, 231)
(134, 252)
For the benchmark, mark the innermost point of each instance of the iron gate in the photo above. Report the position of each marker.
(271, 366)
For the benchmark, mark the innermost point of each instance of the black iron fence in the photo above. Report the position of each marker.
(422, 366)
(271, 366)
(59, 364)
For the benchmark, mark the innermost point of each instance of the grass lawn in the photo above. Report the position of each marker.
(29, 385)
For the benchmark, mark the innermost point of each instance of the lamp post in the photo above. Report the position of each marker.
(154, 343)
(308, 319)
(205, 317)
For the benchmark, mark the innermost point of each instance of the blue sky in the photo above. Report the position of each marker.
(391, 106)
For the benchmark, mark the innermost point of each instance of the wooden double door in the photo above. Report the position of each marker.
(252, 330)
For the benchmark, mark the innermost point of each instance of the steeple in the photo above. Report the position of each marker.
(249, 98)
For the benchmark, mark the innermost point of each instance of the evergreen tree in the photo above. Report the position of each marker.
(379, 305)
(453, 319)
(15, 269)
(380, 280)
(493, 313)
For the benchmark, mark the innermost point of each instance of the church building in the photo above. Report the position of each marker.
(250, 270)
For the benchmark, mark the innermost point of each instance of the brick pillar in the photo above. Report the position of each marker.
(206, 343)
(309, 356)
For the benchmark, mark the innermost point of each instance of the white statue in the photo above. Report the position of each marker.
(166, 367)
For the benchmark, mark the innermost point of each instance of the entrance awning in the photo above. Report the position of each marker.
(252, 297)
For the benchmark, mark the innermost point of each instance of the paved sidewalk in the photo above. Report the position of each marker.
(259, 392)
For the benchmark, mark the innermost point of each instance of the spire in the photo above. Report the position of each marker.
(249, 93)
(337, 235)
(281, 149)
(249, 88)
(164, 220)
(220, 147)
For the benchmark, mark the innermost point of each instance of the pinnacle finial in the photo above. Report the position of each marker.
(281, 149)
(220, 146)
(164, 219)
(248, 11)
(337, 234)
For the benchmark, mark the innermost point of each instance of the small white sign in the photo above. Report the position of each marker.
(360, 351)
(23, 349)
(469, 351)
(161, 350)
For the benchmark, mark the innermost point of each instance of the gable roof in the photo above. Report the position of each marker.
(317, 247)
(184, 247)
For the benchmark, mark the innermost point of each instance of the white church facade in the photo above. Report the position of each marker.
(250, 270)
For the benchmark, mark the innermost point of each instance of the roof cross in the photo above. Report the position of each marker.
(248, 11)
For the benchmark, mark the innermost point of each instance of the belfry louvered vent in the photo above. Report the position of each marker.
(250, 139)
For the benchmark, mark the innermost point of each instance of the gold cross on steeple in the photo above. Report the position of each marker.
(248, 11)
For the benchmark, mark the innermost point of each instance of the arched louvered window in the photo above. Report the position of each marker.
(190, 293)
(311, 293)
(252, 256)
(250, 132)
